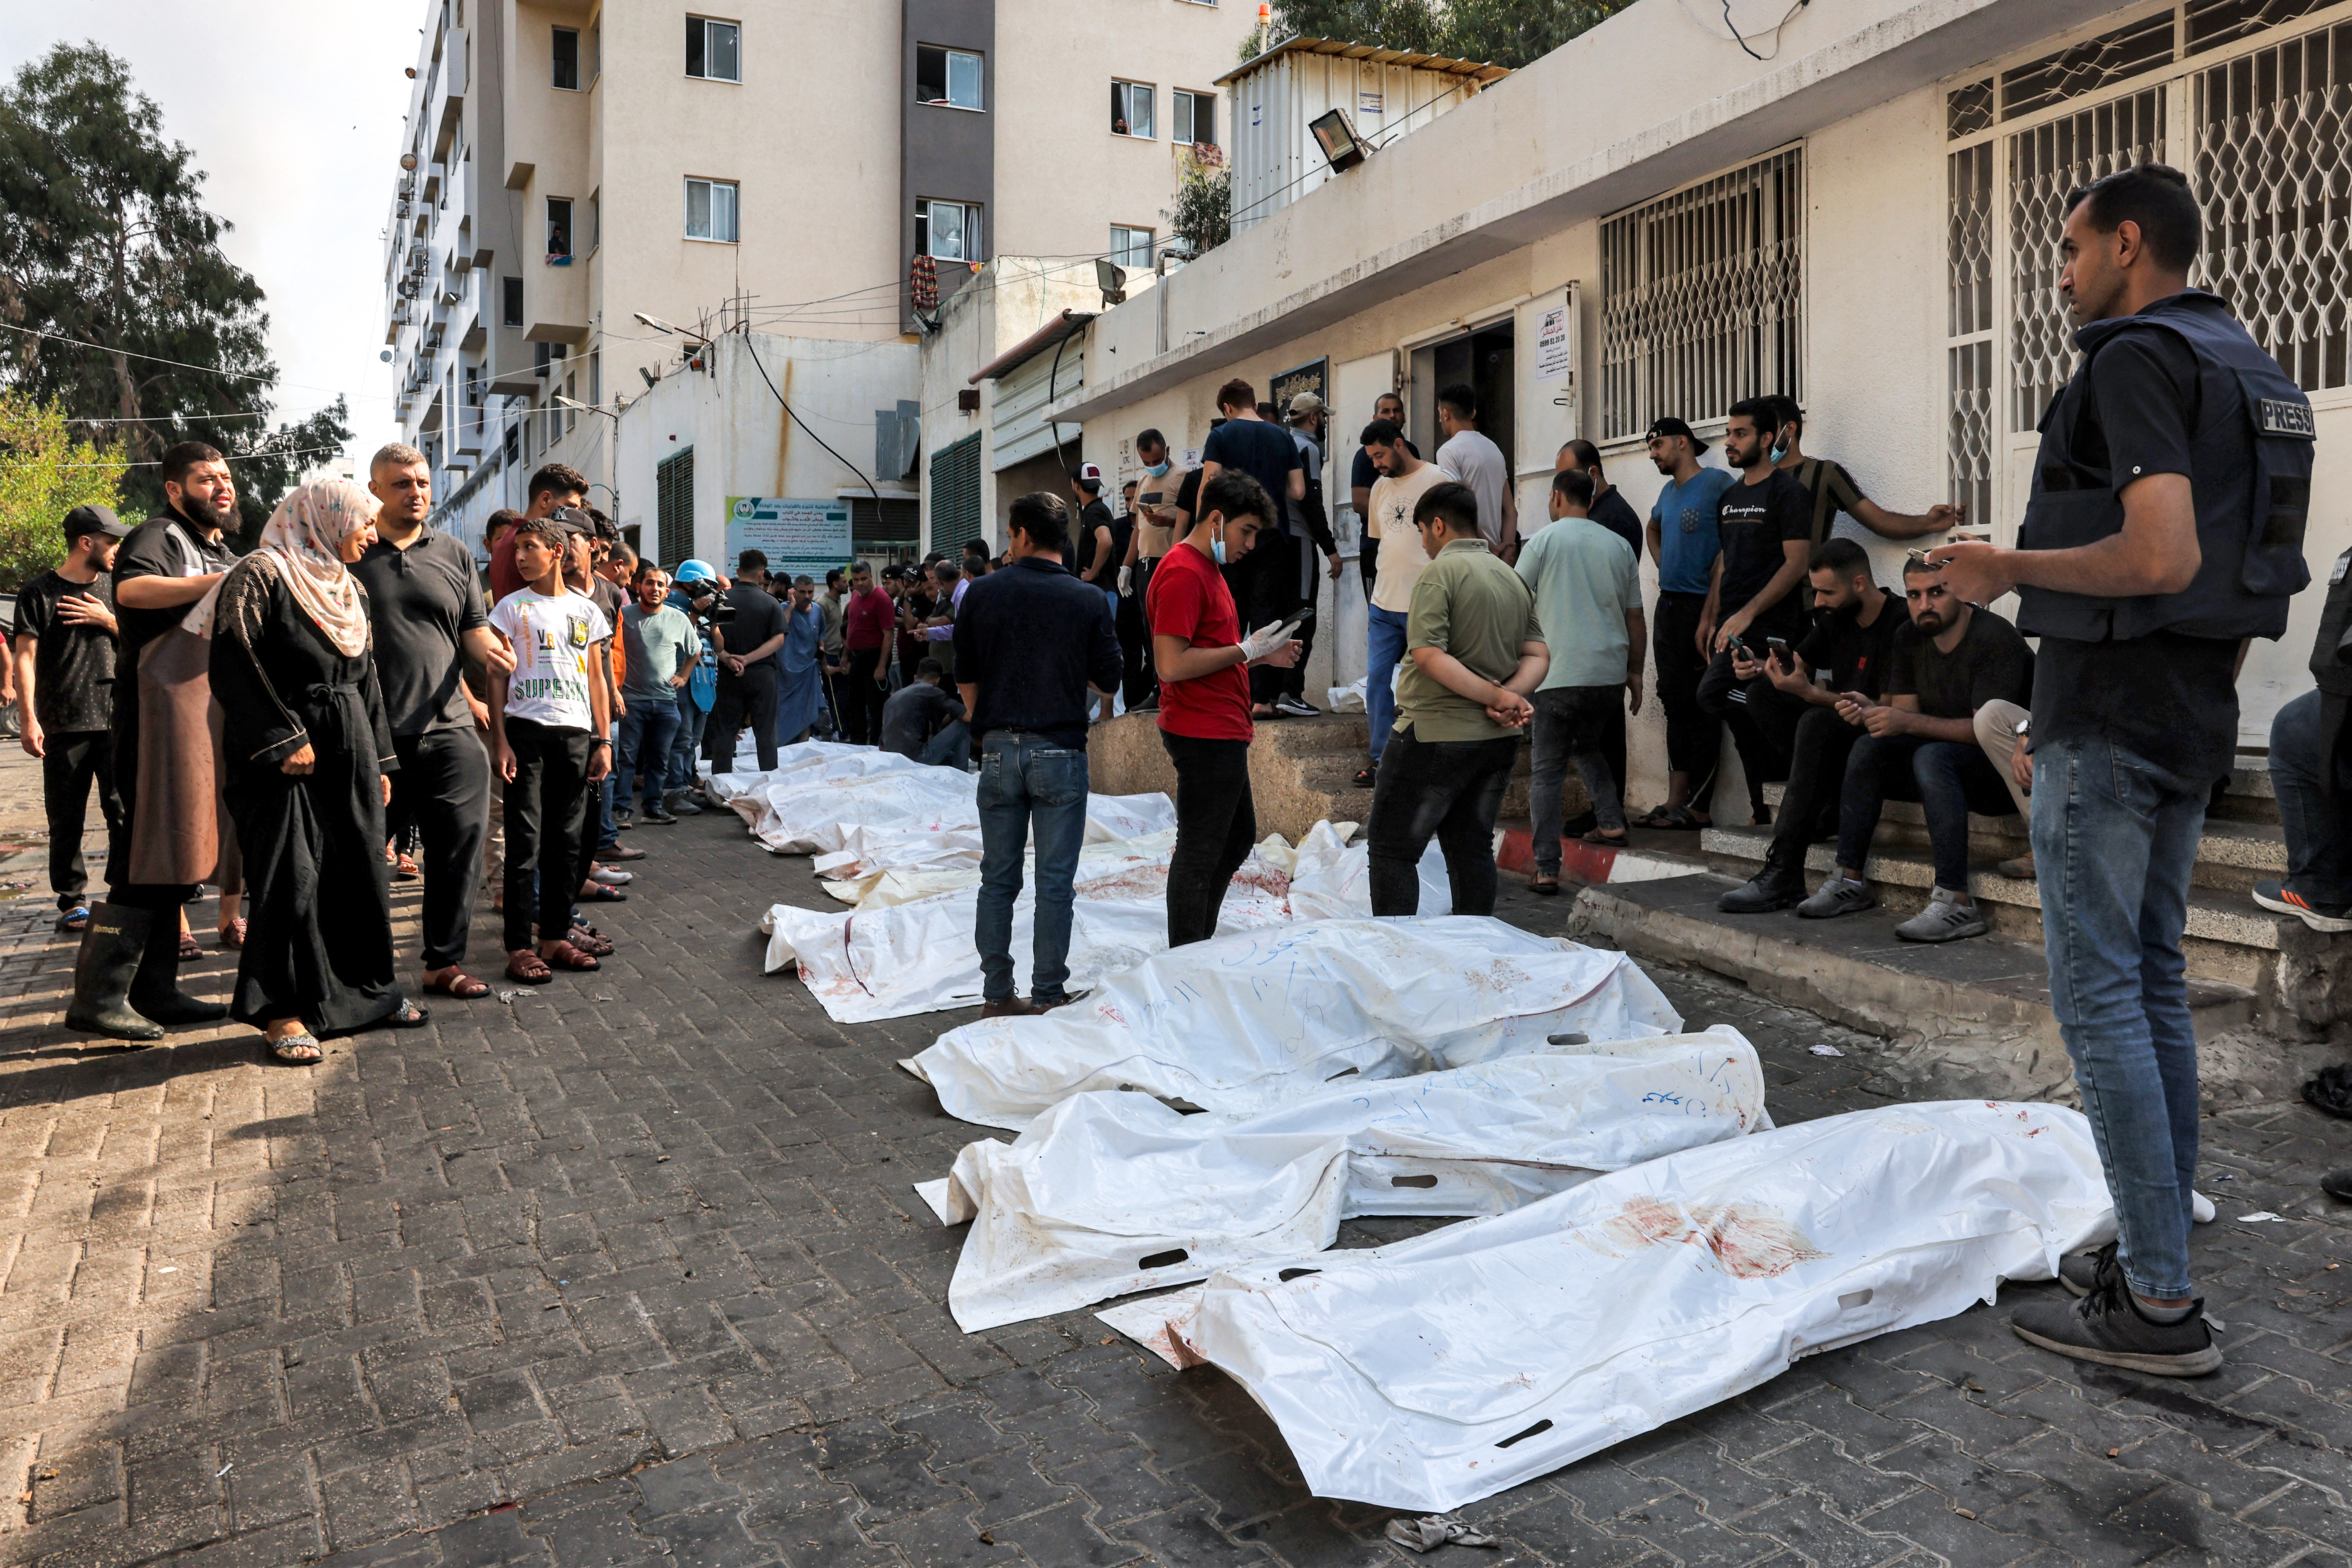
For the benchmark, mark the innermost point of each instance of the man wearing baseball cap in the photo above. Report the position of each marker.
(1684, 541)
(1088, 551)
(65, 648)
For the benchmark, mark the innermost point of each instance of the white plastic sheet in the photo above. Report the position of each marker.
(877, 867)
(1438, 1371)
(1108, 1194)
(1251, 1020)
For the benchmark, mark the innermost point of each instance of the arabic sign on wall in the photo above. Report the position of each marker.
(796, 536)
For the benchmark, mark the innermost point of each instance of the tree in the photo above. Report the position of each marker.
(1512, 33)
(1203, 213)
(105, 243)
(44, 473)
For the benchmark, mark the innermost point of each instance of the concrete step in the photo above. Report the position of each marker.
(2228, 937)
(1971, 1018)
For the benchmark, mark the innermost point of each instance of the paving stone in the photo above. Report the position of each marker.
(447, 1273)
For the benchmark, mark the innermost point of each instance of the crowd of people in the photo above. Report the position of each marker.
(298, 725)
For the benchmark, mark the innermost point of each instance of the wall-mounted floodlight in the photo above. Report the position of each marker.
(1338, 140)
(1112, 280)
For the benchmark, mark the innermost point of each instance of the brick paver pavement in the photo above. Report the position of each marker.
(629, 1272)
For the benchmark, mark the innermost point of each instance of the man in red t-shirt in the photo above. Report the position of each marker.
(1201, 657)
(870, 622)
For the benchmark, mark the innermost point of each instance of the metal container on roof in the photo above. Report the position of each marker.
(1274, 98)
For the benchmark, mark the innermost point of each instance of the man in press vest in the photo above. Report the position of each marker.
(2164, 530)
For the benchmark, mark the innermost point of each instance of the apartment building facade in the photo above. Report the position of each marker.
(590, 190)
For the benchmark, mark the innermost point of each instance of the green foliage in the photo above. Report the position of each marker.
(44, 473)
(103, 241)
(1203, 212)
(1511, 32)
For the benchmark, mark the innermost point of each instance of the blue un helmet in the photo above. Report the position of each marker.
(694, 571)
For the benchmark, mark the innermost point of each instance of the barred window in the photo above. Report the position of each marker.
(674, 506)
(1703, 297)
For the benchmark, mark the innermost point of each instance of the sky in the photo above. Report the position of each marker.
(293, 109)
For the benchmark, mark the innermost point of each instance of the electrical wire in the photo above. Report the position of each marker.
(230, 457)
(1737, 37)
(183, 364)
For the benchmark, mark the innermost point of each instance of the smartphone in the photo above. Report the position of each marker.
(1776, 644)
(1740, 648)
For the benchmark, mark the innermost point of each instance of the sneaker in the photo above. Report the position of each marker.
(655, 814)
(1778, 885)
(2020, 869)
(2083, 1272)
(623, 820)
(2278, 898)
(1945, 919)
(2106, 1326)
(677, 802)
(1296, 707)
(1838, 897)
(2338, 1185)
(1149, 705)
(610, 878)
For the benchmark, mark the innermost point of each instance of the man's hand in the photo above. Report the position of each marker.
(31, 737)
(1789, 679)
(1634, 692)
(681, 678)
(385, 780)
(1512, 712)
(1283, 657)
(733, 665)
(1878, 717)
(85, 610)
(1259, 645)
(502, 758)
(1974, 570)
(300, 762)
(498, 657)
(600, 763)
(1332, 564)
(1733, 626)
(1944, 515)
(1746, 668)
(2021, 765)
(1704, 639)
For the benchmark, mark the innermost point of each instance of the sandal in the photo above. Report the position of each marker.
(75, 918)
(232, 933)
(598, 893)
(586, 940)
(527, 967)
(459, 985)
(1616, 840)
(567, 956)
(1367, 777)
(407, 1016)
(189, 947)
(406, 868)
(302, 1049)
(1544, 886)
(1670, 818)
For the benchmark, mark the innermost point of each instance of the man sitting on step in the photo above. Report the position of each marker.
(1951, 658)
(1793, 697)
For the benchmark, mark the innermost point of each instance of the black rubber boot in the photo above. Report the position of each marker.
(155, 988)
(110, 948)
(1779, 886)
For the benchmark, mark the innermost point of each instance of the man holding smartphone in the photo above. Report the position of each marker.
(1793, 697)
(1756, 590)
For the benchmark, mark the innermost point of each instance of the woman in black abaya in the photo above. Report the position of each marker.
(305, 746)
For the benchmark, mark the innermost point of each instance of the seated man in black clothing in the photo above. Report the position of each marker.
(1949, 659)
(1758, 590)
(1793, 697)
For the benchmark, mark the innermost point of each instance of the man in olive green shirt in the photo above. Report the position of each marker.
(1476, 649)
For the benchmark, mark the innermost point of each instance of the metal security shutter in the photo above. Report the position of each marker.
(890, 528)
(1022, 395)
(674, 506)
(955, 489)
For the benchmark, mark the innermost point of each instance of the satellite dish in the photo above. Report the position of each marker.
(385, 356)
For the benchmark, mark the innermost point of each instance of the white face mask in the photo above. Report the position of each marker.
(1217, 542)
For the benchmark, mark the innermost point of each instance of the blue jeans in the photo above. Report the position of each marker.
(687, 744)
(1383, 645)
(648, 732)
(2114, 840)
(1950, 779)
(2318, 836)
(1027, 784)
(951, 748)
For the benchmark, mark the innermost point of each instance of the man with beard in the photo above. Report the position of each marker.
(125, 980)
(1798, 695)
(1951, 659)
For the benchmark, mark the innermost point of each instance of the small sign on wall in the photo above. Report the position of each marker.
(1554, 345)
(796, 536)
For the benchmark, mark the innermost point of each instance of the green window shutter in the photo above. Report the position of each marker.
(673, 504)
(955, 492)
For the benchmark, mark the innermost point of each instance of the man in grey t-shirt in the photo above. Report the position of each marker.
(1478, 462)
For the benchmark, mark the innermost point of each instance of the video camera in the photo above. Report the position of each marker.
(708, 604)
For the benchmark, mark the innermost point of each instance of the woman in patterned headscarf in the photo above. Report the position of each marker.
(305, 747)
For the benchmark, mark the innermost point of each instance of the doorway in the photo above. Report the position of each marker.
(1481, 358)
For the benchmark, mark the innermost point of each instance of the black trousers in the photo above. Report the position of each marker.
(1216, 823)
(72, 765)
(1265, 585)
(1135, 635)
(1761, 737)
(1452, 790)
(862, 697)
(751, 697)
(546, 815)
(1820, 745)
(442, 791)
(1694, 736)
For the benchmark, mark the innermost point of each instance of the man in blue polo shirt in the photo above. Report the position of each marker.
(1684, 543)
